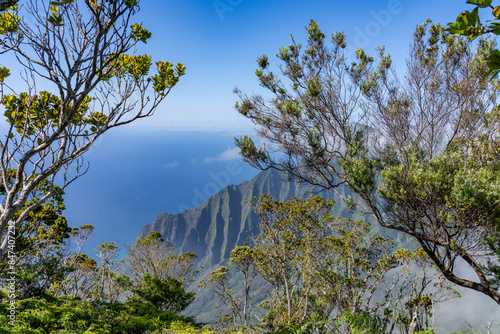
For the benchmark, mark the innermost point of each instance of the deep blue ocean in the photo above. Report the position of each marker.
(136, 173)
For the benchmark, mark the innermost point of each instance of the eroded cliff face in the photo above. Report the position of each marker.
(225, 220)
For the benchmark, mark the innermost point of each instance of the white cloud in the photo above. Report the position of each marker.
(227, 155)
(171, 164)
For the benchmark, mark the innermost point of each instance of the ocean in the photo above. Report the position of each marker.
(136, 173)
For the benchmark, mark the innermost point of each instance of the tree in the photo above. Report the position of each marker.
(166, 294)
(42, 229)
(242, 258)
(331, 272)
(78, 282)
(284, 252)
(38, 272)
(158, 276)
(218, 282)
(421, 153)
(417, 287)
(155, 256)
(38, 244)
(78, 51)
(85, 278)
(43, 226)
(106, 252)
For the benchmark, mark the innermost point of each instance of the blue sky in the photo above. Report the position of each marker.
(219, 42)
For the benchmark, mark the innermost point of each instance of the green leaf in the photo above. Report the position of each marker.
(493, 62)
(467, 24)
(4, 73)
(62, 2)
(56, 20)
(496, 12)
(8, 23)
(495, 28)
(480, 3)
(139, 33)
(130, 3)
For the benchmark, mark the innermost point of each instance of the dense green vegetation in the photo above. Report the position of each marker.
(89, 296)
(328, 274)
(340, 276)
(48, 314)
(420, 155)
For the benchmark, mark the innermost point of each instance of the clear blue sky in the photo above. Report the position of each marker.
(219, 42)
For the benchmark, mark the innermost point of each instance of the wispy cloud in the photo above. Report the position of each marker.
(227, 155)
(171, 164)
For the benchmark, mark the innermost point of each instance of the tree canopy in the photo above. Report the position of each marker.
(328, 273)
(81, 78)
(421, 150)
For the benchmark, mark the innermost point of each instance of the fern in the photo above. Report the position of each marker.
(363, 323)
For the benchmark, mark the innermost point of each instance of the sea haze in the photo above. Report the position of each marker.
(136, 173)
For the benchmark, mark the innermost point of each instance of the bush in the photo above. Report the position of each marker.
(67, 315)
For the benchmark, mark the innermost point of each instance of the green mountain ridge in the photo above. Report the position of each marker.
(225, 220)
